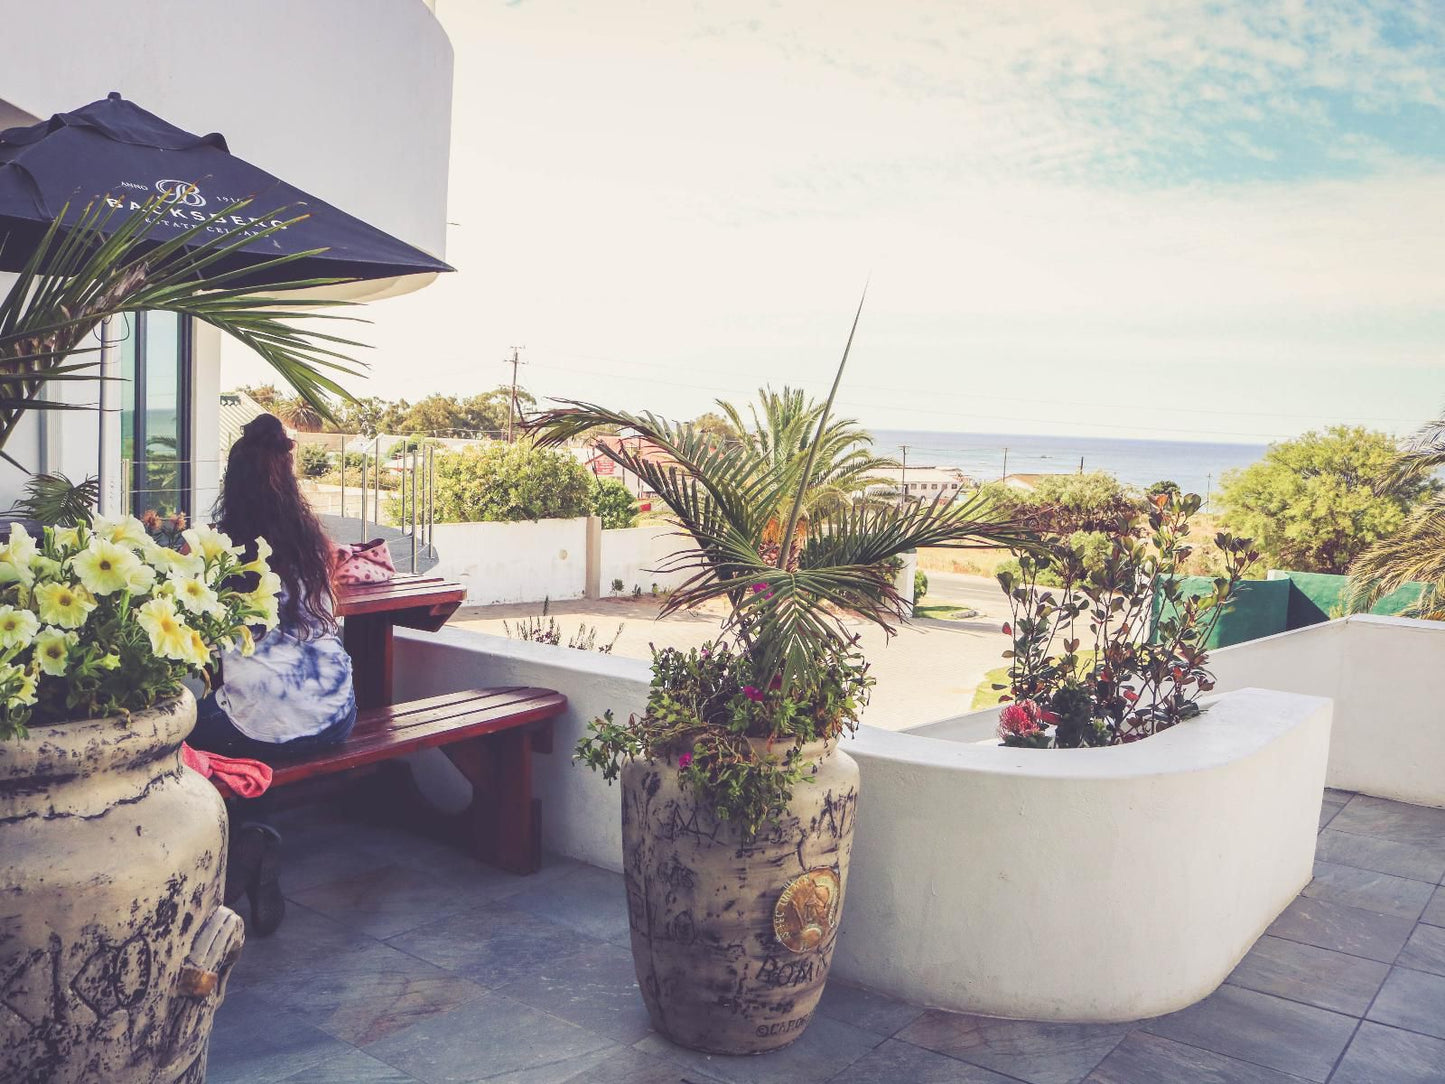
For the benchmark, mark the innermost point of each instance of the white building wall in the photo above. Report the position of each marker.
(514, 562)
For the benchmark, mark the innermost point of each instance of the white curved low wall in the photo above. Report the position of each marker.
(1087, 884)
(1092, 884)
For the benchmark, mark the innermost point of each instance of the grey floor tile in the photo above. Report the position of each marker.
(1368, 889)
(355, 1067)
(1152, 1059)
(609, 1067)
(1381, 1054)
(590, 900)
(256, 1041)
(596, 989)
(1327, 813)
(1262, 1029)
(1435, 910)
(1412, 1000)
(1384, 819)
(897, 1062)
(368, 993)
(1381, 855)
(304, 939)
(1028, 1050)
(491, 945)
(483, 1039)
(1425, 951)
(1339, 797)
(324, 853)
(865, 1009)
(387, 900)
(1344, 929)
(1316, 976)
(825, 1050)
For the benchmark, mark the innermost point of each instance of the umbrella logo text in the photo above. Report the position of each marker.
(182, 192)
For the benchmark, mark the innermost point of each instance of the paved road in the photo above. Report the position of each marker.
(982, 593)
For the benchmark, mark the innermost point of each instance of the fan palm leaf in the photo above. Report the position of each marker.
(104, 265)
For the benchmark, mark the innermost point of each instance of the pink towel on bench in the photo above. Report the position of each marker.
(232, 776)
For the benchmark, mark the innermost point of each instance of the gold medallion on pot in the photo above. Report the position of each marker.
(807, 910)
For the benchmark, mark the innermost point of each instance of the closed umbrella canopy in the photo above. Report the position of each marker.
(114, 150)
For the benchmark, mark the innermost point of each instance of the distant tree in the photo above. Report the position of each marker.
(265, 395)
(434, 414)
(510, 482)
(313, 460)
(1163, 488)
(368, 416)
(715, 425)
(780, 429)
(612, 502)
(1062, 504)
(1315, 503)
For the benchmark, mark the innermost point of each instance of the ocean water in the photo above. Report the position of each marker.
(1196, 467)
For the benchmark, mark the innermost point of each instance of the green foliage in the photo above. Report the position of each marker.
(1143, 668)
(545, 630)
(714, 425)
(1315, 503)
(313, 461)
(104, 265)
(920, 585)
(508, 483)
(1163, 487)
(612, 502)
(706, 705)
(1090, 548)
(55, 501)
(1062, 504)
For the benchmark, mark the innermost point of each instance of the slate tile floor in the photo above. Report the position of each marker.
(403, 961)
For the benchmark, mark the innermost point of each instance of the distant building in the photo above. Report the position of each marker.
(923, 483)
(1030, 482)
(603, 467)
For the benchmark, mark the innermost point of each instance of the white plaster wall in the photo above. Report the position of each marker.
(974, 867)
(969, 859)
(515, 562)
(634, 554)
(581, 814)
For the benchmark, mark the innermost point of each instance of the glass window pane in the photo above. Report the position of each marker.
(160, 483)
(122, 331)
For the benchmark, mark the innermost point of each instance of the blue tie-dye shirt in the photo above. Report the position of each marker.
(290, 688)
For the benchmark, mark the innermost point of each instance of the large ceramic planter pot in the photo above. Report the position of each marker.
(114, 944)
(733, 937)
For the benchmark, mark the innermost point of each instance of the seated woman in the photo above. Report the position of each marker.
(295, 693)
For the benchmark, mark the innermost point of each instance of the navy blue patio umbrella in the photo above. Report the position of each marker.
(116, 151)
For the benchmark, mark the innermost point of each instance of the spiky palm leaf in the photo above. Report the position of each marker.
(1416, 552)
(103, 265)
(789, 579)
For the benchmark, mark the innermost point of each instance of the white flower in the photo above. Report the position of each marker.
(52, 649)
(194, 595)
(123, 530)
(174, 562)
(209, 543)
(104, 567)
(17, 627)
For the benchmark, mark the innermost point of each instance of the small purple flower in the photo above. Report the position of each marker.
(753, 693)
(684, 760)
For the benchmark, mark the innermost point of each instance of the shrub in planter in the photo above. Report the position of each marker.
(1116, 651)
(737, 805)
(98, 627)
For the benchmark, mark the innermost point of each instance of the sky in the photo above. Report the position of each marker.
(1215, 221)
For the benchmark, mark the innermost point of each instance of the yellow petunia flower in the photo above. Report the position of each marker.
(23, 682)
(64, 605)
(209, 543)
(67, 538)
(193, 595)
(45, 568)
(140, 579)
(19, 548)
(170, 637)
(200, 653)
(52, 650)
(263, 556)
(10, 573)
(174, 562)
(17, 627)
(123, 530)
(104, 567)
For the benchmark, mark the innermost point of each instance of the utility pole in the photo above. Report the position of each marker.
(1004, 478)
(1208, 490)
(903, 477)
(1081, 464)
(512, 411)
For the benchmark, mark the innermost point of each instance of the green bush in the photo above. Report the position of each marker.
(920, 585)
(313, 460)
(1092, 547)
(614, 504)
(508, 483)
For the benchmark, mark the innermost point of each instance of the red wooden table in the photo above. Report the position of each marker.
(373, 610)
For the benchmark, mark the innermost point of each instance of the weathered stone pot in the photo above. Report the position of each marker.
(114, 944)
(733, 937)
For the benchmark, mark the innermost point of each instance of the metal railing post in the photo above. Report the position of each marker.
(414, 454)
(363, 496)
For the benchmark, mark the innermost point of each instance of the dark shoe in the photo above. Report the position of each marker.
(268, 906)
(243, 861)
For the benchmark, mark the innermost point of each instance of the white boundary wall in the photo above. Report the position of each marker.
(969, 858)
(514, 562)
(633, 554)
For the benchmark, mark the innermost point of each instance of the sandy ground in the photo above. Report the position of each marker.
(928, 671)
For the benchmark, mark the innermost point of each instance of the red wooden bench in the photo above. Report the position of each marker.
(489, 734)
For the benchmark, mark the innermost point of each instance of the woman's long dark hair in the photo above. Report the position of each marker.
(260, 499)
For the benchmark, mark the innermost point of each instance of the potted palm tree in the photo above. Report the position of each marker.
(114, 943)
(737, 804)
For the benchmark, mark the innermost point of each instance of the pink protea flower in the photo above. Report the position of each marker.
(1020, 719)
(684, 760)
